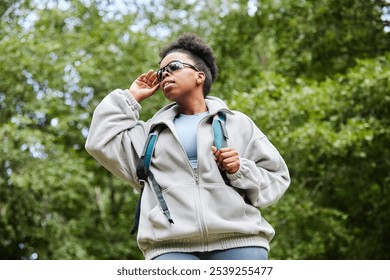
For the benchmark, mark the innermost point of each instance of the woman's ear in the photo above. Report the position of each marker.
(201, 78)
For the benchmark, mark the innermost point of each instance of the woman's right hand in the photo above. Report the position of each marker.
(144, 86)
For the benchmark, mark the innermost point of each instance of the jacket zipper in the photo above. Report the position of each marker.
(198, 202)
(200, 213)
(198, 205)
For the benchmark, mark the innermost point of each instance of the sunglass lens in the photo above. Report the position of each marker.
(171, 67)
(176, 65)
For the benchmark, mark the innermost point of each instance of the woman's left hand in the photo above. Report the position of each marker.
(227, 158)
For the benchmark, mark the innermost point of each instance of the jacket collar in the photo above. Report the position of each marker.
(170, 111)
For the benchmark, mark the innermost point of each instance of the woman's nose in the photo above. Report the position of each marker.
(165, 74)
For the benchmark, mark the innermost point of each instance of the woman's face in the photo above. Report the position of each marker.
(182, 83)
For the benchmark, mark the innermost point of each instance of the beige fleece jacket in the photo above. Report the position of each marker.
(208, 214)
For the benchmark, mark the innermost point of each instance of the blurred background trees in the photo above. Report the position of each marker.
(313, 75)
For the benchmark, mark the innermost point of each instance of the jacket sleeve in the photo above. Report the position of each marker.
(263, 174)
(116, 136)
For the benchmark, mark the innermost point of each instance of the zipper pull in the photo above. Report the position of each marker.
(196, 176)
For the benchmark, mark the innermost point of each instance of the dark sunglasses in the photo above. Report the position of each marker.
(172, 67)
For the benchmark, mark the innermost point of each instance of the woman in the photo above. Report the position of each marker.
(213, 195)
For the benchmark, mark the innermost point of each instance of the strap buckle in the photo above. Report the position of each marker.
(142, 183)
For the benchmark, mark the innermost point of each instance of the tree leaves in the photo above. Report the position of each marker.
(333, 138)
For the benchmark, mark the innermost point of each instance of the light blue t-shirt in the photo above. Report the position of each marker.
(186, 128)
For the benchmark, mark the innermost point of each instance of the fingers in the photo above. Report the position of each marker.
(144, 86)
(149, 79)
(232, 167)
(227, 158)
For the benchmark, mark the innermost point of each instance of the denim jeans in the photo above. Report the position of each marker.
(242, 253)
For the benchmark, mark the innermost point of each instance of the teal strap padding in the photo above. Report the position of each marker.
(219, 131)
(149, 150)
(222, 116)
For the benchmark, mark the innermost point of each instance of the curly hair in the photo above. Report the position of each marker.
(199, 52)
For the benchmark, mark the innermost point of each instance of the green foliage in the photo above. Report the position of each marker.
(318, 38)
(334, 136)
(56, 202)
(314, 76)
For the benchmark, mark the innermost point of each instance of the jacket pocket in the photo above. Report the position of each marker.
(181, 204)
(227, 212)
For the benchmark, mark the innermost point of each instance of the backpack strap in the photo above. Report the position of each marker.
(146, 158)
(219, 131)
(137, 214)
(143, 172)
(220, 138)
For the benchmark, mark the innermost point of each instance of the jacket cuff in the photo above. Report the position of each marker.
(131, 100)
(240, 172)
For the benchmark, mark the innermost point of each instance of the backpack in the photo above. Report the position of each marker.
(143, 166)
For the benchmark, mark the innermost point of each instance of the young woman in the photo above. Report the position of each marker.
(213, 195)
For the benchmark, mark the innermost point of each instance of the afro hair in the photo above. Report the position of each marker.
(199, 52)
